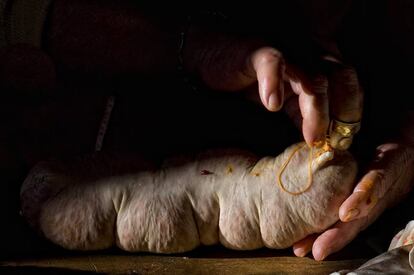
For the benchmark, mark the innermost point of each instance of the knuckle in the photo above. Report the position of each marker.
(320, 82)
(348, 76)
(270, 55)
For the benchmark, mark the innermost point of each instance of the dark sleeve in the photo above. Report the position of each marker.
(22, 21)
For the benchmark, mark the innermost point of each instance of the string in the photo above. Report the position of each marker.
(310, 174)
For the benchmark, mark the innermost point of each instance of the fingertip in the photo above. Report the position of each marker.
(350, 215)
(270, 71)
(314, 128)
(304, 246)
(347, 205)
(273, 93)
(312, 135)
(325, 244)
(319, 254)
(359, 203)
(274, 102)
(342, 214)
(300, 251)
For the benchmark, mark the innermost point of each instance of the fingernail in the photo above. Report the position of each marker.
(273, 102)
(351, 214)
(300, 252)
(319, 255)
(372, 200)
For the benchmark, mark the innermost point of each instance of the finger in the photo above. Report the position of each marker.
(346, 94)
(383, 174)
(304, 246)
(270, 66)
(345, 99)
(364, 197)
(396, 162)
(336, 238)
(314, 107)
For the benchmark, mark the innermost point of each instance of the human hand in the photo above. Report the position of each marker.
(389, 178)
(340, 98)
(235, 64)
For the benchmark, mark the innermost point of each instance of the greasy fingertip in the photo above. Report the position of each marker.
(313, 133)
(350, 215)
(362, 200)
(314, 125)
(354, 206)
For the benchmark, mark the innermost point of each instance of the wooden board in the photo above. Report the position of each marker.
(207, 260)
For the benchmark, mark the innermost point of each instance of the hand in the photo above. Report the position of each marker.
(342, 95)
(278, 81)
(233, 65)
(387, 181)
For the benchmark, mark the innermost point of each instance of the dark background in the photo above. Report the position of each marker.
(163, 115)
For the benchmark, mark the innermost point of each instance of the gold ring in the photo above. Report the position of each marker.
(345, 129)
(341, 133)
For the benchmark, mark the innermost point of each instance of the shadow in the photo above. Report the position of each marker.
(221, 252)
(356, 250)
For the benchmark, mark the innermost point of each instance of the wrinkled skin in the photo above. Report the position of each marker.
(227, 197)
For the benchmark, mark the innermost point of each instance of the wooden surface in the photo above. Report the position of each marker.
(207, 260)
(176, 265)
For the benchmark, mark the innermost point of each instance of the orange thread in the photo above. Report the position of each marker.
(310, 175)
